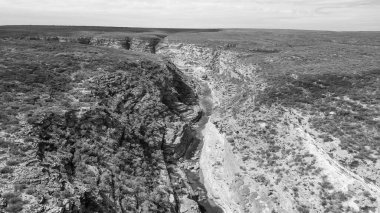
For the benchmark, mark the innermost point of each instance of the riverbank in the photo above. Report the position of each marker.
(218, 168)
(195, 176)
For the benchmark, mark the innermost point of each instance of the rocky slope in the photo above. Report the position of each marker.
(88, 129)
(267, 146)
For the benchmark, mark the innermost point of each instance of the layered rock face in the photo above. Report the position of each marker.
(134, 43)
(266, 150)
(142, 44)
(137, 43)
(87, 129)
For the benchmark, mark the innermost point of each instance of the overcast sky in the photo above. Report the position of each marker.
(294, 14)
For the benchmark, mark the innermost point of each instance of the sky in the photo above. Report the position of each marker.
(339, 15)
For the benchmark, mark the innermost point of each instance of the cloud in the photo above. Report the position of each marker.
(316, 14)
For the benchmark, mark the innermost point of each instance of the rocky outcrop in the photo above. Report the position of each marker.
(144, 44)
(112, 43)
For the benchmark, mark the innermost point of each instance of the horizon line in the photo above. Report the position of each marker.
(201, 28)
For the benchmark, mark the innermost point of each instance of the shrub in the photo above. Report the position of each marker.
(19, 187)
(79, 76)
(15, 151)
(29, 139)
(14, 200)
(12, 163)
(84, 40)
(30, 191)
(354, 164)
(14, 204)
(66, 194)
(303, 209)
(25, 148)
(4, 143)
(6, 170)
(9, 195)
(14, 208)
(14, 129)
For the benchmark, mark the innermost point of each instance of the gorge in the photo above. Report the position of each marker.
(140, 120)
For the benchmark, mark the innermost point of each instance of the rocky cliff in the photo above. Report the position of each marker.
(138, 43)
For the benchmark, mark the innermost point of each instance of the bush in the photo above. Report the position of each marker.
(14, 208)
(12, 163)
(15, 203)
(6, 170)
(30, 191)
(14, 200)
(4, 143)
(15, 151)
(84, 40)
(9, 195)
(66, 194)
(303, 209)
(19, 187)
(29, 139)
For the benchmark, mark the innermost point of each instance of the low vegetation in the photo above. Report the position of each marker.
(87, 126)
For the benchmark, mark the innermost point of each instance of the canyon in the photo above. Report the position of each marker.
(190, 121)
(267, 158)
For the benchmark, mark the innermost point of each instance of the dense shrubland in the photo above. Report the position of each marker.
(84, 129)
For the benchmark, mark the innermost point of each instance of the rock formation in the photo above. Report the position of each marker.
(136, 43)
